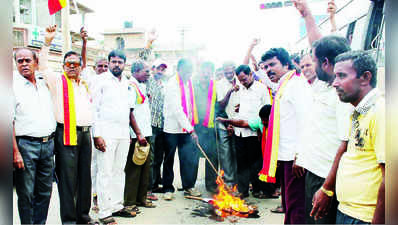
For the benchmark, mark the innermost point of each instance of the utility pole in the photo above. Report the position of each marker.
(183, 30)
(66, 43)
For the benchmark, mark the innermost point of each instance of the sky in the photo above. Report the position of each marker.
(225, 27)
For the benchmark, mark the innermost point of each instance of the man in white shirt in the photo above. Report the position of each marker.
(33, 145)
(179, 113)
(329, 118)
(294, 104)
(113, 103)
(226, 88)
(252, 96)
(137, 176)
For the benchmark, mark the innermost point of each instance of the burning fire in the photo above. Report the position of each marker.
(227, 204)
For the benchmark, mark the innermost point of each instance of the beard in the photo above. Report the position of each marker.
(322, 75)
(116, 71)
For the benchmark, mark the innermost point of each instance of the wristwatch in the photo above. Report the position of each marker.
(327, 192)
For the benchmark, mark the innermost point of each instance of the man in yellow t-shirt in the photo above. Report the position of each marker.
(360, 176)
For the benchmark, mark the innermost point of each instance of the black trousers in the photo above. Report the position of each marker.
(312, 184)
(158, 146)
(137, 178)
(73, 170)
(189, 161)
(207, 140)
(249, 164)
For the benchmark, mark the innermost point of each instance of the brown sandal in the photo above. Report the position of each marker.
(148, 204)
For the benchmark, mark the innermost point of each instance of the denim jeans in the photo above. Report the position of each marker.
(207, 140)
(189, 161)
(342, 218)
(227, 156)
(34, 184)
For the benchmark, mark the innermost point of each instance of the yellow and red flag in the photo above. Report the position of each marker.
(56, 5)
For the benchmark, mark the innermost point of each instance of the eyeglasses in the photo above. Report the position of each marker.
(75, 64)
(102, 66)
(20, 61)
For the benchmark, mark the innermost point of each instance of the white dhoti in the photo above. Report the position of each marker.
(111, 176)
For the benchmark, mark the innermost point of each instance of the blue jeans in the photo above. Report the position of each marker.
(342, 218)
(34, 183)
(227, 156)
(189, 161)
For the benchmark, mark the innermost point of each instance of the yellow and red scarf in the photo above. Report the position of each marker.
(140, 97)
(210, 108)
(70, 135)
(270, 145)
(270, 95)
(194, 112)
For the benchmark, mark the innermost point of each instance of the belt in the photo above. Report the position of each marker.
(39, 139)
(78, 128)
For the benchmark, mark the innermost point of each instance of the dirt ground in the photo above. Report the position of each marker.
(178, 211)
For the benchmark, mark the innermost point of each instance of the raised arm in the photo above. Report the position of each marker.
(332, 15)
(84, 36)
(313, 32)
(43, 56)
(249, 55)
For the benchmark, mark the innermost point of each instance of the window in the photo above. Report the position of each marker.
(18, 38)
(119, 43)
(25, 9)
(375, 23)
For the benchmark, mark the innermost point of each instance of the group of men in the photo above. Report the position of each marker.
(316, 129)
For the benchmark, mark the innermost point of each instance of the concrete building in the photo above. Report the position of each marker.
(31, 17)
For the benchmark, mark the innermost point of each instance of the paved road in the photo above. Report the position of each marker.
(178, 211)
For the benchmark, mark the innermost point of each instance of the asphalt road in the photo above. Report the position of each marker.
(178, 211)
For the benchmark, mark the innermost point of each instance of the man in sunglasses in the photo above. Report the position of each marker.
(74, 115)
(33, 141)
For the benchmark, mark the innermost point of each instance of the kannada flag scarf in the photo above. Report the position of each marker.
(194, 112)
(140, 97)
(211, 101)
(271, 144)
(270, 95)
(70, 136)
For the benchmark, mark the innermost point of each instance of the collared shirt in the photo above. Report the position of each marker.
(359, 174)
(329, 120)
(113, 101)
(175, 119)
(142, 113)
(222, 88)
(156, 91)
(251, 101)
(83, 101)
(33, 107)
(295, 103)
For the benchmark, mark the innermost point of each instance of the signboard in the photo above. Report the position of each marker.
(276, 4)
(36, 38)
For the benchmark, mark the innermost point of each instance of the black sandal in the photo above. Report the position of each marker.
(108, 220)
(124, 213)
